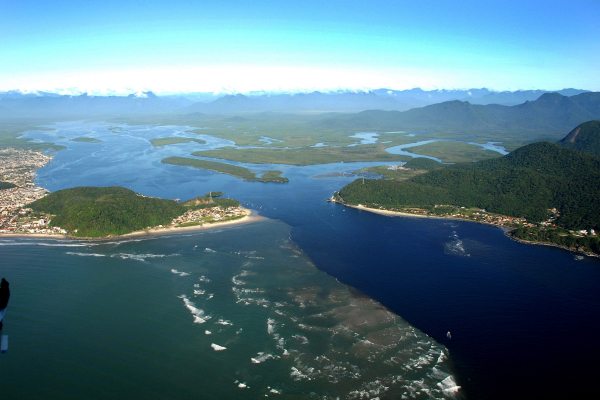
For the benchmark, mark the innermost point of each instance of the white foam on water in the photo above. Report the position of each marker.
(71, 253)
(270, 326)
(204, 279)
(262, 357)
(196, 285)
(216, 347)
(301, 339)
(207, 250)
(199, 317)
(142, 257)
(221, 321)
(210, 296)
(448, 385)
(198, 292)
(237, 282)
(179, 272)
(297, 374)
(62, 244)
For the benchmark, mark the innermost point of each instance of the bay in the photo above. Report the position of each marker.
(522, 317)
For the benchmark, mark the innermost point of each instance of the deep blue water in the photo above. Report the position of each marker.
(523, 318)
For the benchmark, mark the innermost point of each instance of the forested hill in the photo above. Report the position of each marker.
(98, 212)
(586, 138)
(525, 183)
(551, 113)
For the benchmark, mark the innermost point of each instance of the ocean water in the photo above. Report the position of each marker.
(238, 312)
(523, 319)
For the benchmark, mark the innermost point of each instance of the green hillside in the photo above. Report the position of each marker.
(525, 183)
(99, 212)
(586, 138)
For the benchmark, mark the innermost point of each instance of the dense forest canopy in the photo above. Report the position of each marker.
(97, 212)
(525, 183)
(586, 138)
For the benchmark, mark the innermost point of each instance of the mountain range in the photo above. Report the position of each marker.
(551, 112)
(48, 104)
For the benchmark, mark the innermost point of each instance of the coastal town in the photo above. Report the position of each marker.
(17, 175)
(17, 167)
(208, 215)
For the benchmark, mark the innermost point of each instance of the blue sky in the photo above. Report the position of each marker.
(238, 46)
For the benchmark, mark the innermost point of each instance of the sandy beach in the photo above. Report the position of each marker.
(395, 213)
(248, 219)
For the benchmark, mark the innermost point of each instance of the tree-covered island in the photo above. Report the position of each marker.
(94, 212)
(543, 192)
(233, 170)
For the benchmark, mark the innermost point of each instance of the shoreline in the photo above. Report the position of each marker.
(403, 214)
(249, 218)
(516, 239)
(506, 230)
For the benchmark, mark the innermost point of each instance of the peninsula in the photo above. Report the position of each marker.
(542, 192)
(93, 212)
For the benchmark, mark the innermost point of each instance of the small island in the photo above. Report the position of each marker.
(174, 140)
(86, 140)
(233, 170)
(93, 212)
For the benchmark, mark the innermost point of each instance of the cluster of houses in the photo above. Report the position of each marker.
(398, 168)
(18, 166)
(213, 214)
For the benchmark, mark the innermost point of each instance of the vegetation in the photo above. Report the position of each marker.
(525, 183)
(234, 170)
(86, 140)
(11, 130)
(551, 113)
(415, 166)
(586, 138)
(424, 164)
(587, 243)
(174, 140)
(207, 202)
(394, 174)
(99, 212)
(7, 185)
(305, 156)
(454, 152)
(214, 194)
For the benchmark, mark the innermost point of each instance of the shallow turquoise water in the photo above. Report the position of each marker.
(235, 312)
